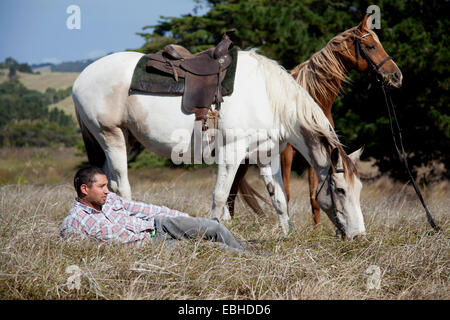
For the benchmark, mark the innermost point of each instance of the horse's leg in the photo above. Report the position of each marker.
(224, 180)
(116, 161)
(274, 185)
(287, 156)
(242, 171)
(313, 182)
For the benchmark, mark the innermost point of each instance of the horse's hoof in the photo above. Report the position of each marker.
(226, 218)
(226, 215)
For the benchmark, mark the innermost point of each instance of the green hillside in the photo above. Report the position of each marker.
(41, 82)
(65, 105)
(27, 118)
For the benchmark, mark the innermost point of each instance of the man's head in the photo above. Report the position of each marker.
(91, 185)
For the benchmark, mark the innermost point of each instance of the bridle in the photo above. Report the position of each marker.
(359, 50)
(334, 209)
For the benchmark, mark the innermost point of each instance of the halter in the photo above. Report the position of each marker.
(359, 50)
(331, 183)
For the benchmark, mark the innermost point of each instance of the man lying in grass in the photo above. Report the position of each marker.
(103, 215)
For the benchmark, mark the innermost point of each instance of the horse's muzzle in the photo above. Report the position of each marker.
(356, 237)
(393, 79)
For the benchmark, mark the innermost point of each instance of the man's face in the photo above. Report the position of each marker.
(97, 192)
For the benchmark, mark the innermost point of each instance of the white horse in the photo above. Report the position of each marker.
(265, 97)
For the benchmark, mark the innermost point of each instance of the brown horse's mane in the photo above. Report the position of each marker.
(322, 75)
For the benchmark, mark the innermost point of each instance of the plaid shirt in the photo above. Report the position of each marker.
(120, 220)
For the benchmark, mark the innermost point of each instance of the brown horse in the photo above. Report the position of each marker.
(322, 76)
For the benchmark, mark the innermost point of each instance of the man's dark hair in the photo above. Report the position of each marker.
(86, 176)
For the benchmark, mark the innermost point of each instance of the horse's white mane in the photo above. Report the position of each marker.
(289, 99)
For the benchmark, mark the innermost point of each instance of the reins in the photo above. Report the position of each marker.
(331, 183)
(396, 131)
(397, 134)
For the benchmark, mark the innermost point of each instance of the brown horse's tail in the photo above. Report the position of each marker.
(94, 151)
(250, 194)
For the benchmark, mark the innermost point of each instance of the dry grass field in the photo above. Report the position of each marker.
(36, 193)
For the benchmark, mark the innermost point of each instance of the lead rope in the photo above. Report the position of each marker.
(402, 154)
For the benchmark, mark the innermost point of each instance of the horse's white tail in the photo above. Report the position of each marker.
(94, 151)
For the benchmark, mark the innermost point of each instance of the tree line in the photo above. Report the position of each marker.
(13, 66)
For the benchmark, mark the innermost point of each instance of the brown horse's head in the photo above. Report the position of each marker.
(369, 55)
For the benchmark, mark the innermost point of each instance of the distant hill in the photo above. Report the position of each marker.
(68, 66)
(41, 65)
(40, 82)
(42, 70)
(57, 76)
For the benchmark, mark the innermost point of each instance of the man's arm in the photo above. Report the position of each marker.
(111, 233)
(149, 211)
(86, 225)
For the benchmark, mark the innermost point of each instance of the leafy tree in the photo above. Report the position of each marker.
(51, 95)
(12, 72)
(11, 63)
(24, 67)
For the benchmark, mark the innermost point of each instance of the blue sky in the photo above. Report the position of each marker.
(35, 31)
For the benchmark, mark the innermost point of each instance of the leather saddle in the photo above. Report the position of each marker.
(203, 73)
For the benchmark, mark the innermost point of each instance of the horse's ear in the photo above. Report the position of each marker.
(335, 157)
(365, 23)
(354, 156)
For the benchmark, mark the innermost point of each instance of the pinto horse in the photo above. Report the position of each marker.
(322, 76)
(266, 99)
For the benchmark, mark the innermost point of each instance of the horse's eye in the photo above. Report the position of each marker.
(370, 47)
(341, 191)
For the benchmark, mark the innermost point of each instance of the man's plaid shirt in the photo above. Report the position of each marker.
(120, 220)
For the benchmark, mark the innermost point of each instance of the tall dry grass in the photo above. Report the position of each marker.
(413, 263)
